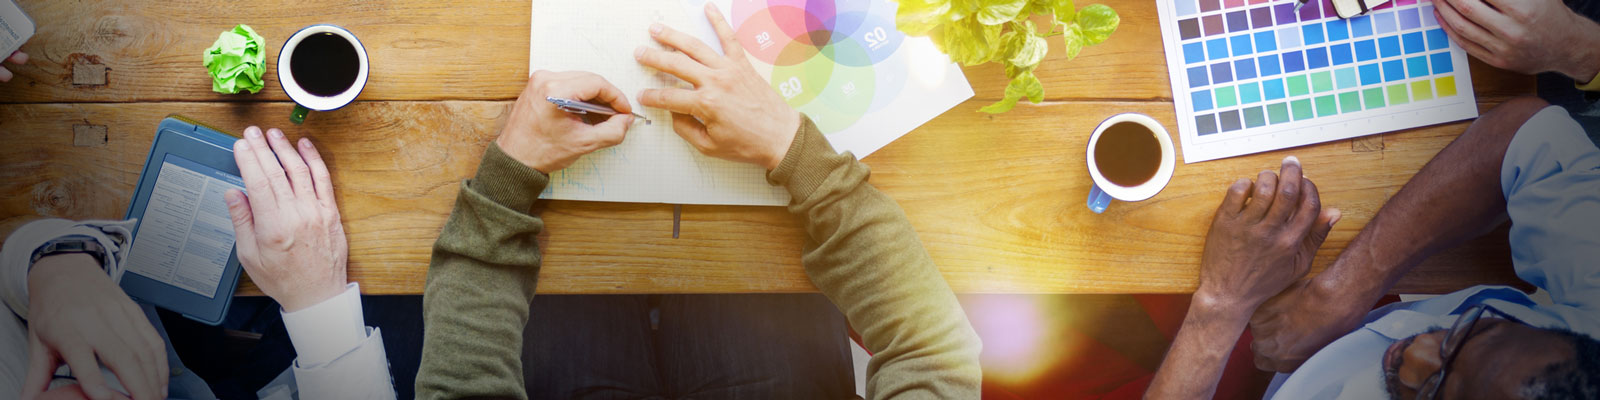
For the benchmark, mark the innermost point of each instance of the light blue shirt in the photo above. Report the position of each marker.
(1551, 180)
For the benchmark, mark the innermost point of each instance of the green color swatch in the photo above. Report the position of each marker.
(1321, 81)
(1226, 97)
(1254, 117)
(1374, 97)
(1327, 105)
(1350, 102)
(1249, 93)
(1422, 90)
(1397, 94)
(1278, 113)
(1302, 109)
(1347, 78)
(1297, 85)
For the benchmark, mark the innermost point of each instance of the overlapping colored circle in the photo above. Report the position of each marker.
(833, 61)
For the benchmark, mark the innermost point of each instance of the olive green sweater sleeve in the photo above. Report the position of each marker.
(862, 253)
(485, 265)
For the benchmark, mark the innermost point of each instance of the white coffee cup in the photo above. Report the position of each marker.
(1104, 190)
(306, 101)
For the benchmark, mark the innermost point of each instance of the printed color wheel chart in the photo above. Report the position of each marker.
(835, 62)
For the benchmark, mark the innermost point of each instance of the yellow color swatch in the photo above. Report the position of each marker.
(1446, 85)
(1421, 90)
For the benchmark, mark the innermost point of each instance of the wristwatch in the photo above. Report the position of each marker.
(71, 244)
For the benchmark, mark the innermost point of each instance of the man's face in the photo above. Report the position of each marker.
(1493, 363)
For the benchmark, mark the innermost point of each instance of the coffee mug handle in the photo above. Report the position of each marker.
(299, 114)
(1098, 199)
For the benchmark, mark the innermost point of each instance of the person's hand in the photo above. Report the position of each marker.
(732, 113)
(547, 139)
(82, 319)
(1261, 240)
(18, 58)
(1526, 36)
(1292, 326)
(289, 236)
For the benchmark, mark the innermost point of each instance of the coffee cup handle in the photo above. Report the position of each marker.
(299, 114)
(1098, 199)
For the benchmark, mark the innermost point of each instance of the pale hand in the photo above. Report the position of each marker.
(547, 139)
(1261, 239)
(1526, 36)
(80, 318)
(732, 113)
(290, 239)
(18, 58)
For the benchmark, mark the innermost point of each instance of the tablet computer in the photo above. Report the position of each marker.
(182, 257)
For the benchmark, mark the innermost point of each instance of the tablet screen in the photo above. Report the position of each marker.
(186, 235)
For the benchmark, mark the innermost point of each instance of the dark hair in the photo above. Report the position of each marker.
(1575, 378)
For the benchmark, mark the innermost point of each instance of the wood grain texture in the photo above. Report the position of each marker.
(998, 200)
(461, 50)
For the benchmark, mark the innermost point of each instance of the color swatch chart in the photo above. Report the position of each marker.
(1251, 75)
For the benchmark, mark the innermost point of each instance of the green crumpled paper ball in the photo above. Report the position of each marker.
(237, 61)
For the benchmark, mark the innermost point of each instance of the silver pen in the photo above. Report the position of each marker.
(579, 107)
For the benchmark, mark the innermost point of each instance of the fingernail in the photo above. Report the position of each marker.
(639, 52)
(241, 145)
(655, 28)
(232, 197)
(252, 132)
(712, 7)
(1291, 160)
(1336, 216)
(276, 134)
(306, 143)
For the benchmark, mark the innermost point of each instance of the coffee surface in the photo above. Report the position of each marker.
(1128, 154)
(325, 64)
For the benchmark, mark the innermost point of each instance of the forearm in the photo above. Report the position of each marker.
(864, 256)
(482, 277)
(1454, 198)
(1198, 355)
(1584, 56)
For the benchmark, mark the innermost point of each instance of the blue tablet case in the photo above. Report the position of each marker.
(209, 147)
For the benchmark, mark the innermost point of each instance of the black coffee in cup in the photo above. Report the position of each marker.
(325, 64)
(1128, 154)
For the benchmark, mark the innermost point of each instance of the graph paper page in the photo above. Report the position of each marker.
(652, 165)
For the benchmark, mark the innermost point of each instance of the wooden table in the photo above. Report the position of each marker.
(999, 200)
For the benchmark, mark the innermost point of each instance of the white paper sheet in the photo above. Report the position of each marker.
(864, 83)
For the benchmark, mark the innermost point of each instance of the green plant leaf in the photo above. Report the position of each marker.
(1064, 11)
(1025, 85)
(969, 42)
(1037, 7)
(1072, 37)
(1030, 52)
(1097, 22)
(995, 12)
(917, 17)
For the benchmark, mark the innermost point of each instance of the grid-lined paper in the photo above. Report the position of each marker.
(652, 165)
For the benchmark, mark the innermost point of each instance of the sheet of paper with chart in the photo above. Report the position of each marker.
(1253, 76)
(863, 82)
(652, 165)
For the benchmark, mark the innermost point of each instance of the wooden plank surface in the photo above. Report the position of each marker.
(460, 50)
(997, 199)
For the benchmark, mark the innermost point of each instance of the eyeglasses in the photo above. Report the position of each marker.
(1454, 338)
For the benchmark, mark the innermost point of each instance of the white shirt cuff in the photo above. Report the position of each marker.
(323, 332)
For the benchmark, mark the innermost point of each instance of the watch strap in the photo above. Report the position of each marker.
(71, 244)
